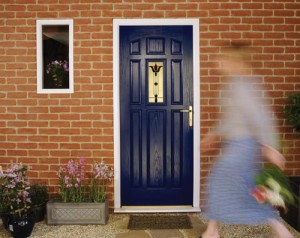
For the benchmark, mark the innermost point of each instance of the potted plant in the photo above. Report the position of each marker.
(82, 195)
(17, 216)
(39, 198)
(292, 111)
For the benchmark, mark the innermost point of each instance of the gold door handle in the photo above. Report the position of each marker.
(190, 111)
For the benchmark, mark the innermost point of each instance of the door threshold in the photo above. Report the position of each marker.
(156, 209)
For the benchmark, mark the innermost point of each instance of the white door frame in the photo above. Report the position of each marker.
(116, 110)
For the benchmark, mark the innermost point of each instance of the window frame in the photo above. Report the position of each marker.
(40, 63)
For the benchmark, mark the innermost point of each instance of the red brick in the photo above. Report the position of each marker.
(262, 13)
(252, 5)
(274, 6)
(45, 130)
(241, 13)
(185, 6)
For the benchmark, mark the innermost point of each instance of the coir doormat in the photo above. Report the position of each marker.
(153, 222)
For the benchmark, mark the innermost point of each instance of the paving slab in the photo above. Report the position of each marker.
(170, 233)
(198, 227)
(133, 234)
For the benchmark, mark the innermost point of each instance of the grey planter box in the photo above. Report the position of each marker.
(59, 213)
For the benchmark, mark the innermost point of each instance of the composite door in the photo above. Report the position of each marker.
(156, 115)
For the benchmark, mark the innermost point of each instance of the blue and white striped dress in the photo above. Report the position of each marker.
(245, 125)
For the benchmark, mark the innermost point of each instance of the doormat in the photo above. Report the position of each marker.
(153, 222)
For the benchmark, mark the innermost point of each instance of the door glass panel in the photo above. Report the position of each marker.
(155, 82)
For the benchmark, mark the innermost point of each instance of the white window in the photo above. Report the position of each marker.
(55, 56)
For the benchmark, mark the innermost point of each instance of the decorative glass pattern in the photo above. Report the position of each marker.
(155, 82)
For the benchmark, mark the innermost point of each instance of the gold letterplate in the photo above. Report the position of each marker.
(190, 111)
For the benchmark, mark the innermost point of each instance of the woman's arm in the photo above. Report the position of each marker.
(273, 155)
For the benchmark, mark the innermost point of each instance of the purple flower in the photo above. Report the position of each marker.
(10, 185)
(15, 185)
(25, 194)
(102, 171)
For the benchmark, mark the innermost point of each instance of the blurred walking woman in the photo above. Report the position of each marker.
(247, 131)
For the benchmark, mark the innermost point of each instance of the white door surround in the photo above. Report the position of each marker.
(116, 110)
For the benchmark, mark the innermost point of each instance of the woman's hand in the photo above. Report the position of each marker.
(209, 140)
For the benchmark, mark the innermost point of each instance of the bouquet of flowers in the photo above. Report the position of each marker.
(272, 187)
(15, 190)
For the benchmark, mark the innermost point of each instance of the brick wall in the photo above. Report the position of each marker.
(47, 130)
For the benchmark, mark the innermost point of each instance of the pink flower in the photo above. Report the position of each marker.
(73, 178)
(69, 185)
(260, 194)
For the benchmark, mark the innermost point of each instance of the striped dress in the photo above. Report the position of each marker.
(245, 125)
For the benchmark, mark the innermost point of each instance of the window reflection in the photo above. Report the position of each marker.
(55, 56)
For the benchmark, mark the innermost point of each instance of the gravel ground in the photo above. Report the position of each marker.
(42, 230)
(243, 231)
(118, 224)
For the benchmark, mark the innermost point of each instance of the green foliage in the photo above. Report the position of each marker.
(97, 191)
(3, 201)
(292, 111)
(39, 194)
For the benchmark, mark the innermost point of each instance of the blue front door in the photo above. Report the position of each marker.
(156, 100)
